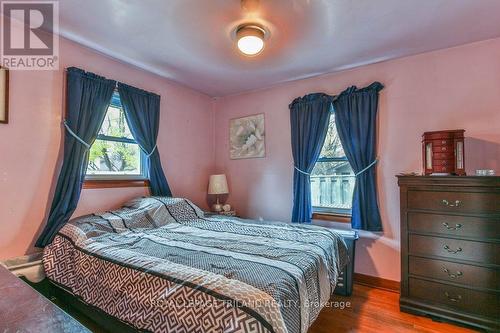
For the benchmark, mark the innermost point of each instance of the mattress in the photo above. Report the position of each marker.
(160, 265)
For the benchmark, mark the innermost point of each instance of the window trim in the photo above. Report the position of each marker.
(104, 181)
(332, 217)
(331, 210)
(114, 183)
(332, 214)
(115, 139)
(332, 159)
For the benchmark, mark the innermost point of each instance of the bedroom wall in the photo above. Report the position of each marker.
(446, 89)
(30, 144)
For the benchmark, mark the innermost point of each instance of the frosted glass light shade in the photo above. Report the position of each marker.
(250, 45)
(250, 39)
(218, 184)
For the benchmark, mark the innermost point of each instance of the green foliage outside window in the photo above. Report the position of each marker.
(114, 152)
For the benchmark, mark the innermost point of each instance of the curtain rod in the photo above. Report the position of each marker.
(116, 82)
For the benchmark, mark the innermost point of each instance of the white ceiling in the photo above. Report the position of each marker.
(189, 41)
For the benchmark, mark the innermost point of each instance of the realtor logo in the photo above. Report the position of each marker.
(30, 35)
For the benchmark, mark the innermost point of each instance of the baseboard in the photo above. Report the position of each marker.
(376, 282)
(30, 266)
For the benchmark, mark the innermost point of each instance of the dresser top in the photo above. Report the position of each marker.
(477, 181)
(22, 309)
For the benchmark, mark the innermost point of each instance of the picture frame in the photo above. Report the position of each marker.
(4, 95)
(247, 137)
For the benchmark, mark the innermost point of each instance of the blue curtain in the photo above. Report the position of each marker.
(309, 117)
(355, 116)
(142, 111)
(88, 98)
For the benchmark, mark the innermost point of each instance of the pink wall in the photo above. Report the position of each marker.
(447, 89)
(30, 144)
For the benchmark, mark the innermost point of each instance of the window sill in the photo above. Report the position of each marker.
(114, 183)
(332, 217)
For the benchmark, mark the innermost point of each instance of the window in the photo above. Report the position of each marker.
(332, 179)
(115, 154)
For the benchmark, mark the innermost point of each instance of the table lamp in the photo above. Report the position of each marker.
(217, 185)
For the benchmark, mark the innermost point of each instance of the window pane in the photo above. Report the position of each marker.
(332, 185)
(114, 158)
(332, 146)
(115, 124)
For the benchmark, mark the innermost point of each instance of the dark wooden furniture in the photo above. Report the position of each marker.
(450, 248)
(4, 109)
(231, 213)
(443, 152)
(22, 309)
(345, 279)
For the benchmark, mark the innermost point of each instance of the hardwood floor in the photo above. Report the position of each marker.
(375, 310)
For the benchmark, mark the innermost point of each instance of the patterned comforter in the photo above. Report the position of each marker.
(160, 265)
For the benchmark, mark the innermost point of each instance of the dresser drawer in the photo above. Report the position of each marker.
(440, 156)
(457, 226)
(487, 253)
(468, 275)
(459, 202)
(442, 148)
(472, 301)
(443, 162)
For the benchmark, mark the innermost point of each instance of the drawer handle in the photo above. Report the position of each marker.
(456, 227)
(447, 248)
(453, 299)
(451, 204)
(451, 275)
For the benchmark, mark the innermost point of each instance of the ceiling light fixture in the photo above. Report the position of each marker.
(250, 39)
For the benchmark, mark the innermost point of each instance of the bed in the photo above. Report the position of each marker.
(160, 265)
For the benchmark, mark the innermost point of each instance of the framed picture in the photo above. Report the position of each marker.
(4, 95)
(247, 137)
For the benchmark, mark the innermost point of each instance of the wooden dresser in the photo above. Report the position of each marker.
(450, 248)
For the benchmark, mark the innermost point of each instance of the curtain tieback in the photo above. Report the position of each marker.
(375, 161)
(303, 172)
(151, 153)
(75, 135)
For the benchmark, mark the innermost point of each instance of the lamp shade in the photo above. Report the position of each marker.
(218, 184)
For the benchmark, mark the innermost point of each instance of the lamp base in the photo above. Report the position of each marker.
(217, 207)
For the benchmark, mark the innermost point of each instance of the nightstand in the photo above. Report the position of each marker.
(231, 213)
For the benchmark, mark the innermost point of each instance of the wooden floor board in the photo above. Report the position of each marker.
(376, 310)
